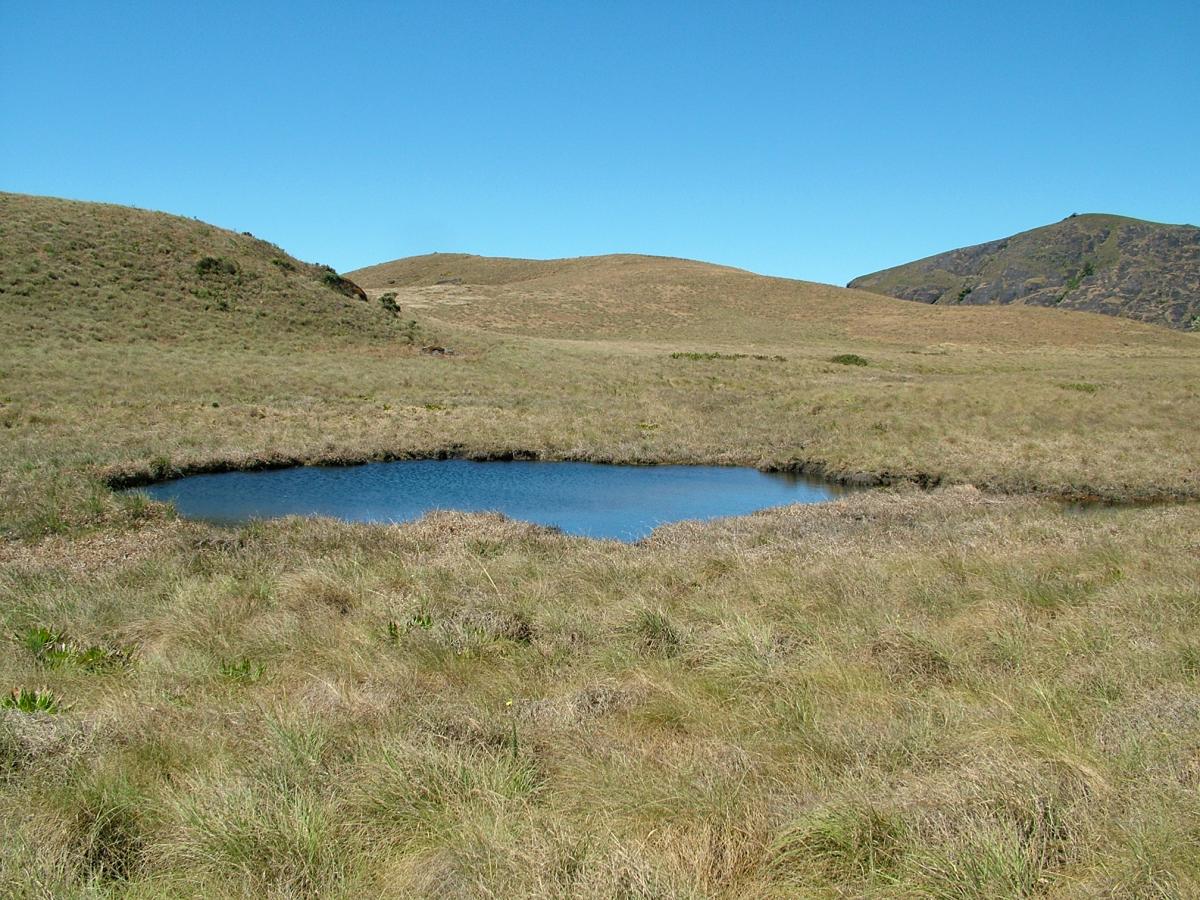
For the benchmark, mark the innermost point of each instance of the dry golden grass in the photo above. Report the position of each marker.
(663, 299)
(895, 694)
(956, 693)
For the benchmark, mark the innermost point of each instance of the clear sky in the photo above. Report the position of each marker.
(814, 140)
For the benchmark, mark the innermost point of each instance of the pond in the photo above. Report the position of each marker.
(601, 501)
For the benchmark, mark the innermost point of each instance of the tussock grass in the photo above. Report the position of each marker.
(951, 693)
(862, 697)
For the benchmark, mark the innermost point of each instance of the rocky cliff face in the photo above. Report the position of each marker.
(1100, 263)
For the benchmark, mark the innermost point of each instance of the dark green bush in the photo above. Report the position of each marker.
(211, 265)
(849, 359)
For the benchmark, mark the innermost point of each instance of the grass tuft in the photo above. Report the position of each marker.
(242, 671)
(843, 844)
(31, 700)
(655, 633)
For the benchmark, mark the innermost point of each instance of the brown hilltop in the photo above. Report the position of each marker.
(630, 296)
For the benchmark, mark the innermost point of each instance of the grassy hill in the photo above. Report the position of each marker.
(88, 273)
(1099, 263)
(652, 298)
(969, 690)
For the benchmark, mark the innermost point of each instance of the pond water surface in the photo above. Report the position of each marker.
(603, 501)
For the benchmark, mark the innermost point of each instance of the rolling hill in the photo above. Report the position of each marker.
(95, 272)
(635, 297)
(1097, 263)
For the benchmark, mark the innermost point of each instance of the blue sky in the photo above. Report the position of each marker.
(812, 140)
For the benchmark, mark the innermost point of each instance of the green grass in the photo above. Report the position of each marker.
(972, 691)
(849, 359)
(29, 700)
(242, 671)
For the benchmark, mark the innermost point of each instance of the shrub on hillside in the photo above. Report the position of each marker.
(341, 284)
(211, 265)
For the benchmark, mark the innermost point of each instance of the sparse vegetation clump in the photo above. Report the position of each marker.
(341, 283)
(849, 359)
(53, 648)
(211, 265)
(30, 700)
(242, 671)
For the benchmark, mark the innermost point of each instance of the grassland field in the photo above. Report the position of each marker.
(956, 685)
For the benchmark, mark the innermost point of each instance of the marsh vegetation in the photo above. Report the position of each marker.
(961, 690)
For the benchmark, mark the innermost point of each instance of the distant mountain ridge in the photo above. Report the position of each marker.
(1095, 262)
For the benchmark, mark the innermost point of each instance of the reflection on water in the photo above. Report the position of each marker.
(623, 502)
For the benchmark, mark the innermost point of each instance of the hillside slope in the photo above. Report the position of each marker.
(1098, 263)
(139, 344)
(90, 272)
(658, 298)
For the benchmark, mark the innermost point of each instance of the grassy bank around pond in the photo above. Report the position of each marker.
(964, 692)
(1014, 422)
(900, 693)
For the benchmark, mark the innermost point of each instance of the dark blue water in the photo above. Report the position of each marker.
(623, 502)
